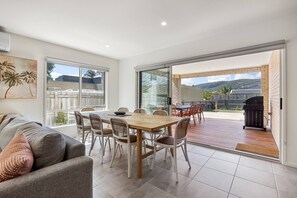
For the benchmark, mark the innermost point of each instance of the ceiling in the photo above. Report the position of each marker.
(131, 27)
(236, 62)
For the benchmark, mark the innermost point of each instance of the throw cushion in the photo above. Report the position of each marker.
(16, 158)
(7, 119)
(10, 129)
(48, 145)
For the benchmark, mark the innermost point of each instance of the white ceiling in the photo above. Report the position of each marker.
(131, 27)
(236, 62)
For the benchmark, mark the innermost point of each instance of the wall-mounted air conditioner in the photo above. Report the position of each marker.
(4, 41)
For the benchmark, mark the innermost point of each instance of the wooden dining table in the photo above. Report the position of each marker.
(140, 122)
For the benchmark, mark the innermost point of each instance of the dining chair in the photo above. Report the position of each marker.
(123, 109)
(82, 127)
(139, 110)
(122, 136)
(87, 109)
(173, 142)
(104, 134)
(156, 134)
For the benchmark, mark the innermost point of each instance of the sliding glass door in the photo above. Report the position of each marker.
(154, 89)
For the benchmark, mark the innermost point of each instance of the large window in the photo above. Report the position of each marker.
(70, 88)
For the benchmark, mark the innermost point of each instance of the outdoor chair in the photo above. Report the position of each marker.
(173, 142)
(191, 113)
(200, 112)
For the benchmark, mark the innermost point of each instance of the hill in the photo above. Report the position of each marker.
(235, 84)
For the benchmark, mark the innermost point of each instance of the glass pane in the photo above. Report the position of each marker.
(62, 94)
(154, 89)
(93, 86)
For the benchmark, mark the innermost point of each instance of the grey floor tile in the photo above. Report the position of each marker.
(197, 189)
(286, 184)
(202, 151)
(285, 194)
(232, 196)
(244, 188)
(182, 167)
(230, 157)
(148, 190)
(221, 165)
(215, 178)
(256, 163)
(99, 192)
(280, 169)
(166, 181)
(197, 158)
(256, 175)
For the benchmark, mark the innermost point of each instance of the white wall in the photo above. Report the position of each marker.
(282, 27)
(29, 48)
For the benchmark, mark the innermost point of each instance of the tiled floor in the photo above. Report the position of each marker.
(213, 174)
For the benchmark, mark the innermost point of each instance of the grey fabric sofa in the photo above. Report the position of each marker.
(72, 177)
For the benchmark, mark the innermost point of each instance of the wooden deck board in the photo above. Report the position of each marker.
(228, 133)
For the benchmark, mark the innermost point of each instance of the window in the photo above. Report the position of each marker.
(70, 88)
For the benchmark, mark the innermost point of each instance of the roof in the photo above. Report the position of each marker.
(245, 91)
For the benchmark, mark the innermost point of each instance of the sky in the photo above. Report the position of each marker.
(201, 80)
(65, 70)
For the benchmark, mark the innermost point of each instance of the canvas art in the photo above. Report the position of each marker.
(18, 77)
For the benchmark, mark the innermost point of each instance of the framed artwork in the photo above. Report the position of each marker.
(18, 78)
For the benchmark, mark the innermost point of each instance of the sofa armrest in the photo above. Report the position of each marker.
(74, 148)
(70, 178)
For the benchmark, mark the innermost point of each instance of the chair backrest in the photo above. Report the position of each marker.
(120, 129)
(140, 111)
(87, 109)
(123, 109)
(96, 121)
(78, 119)
(160, 112)
(181, 129)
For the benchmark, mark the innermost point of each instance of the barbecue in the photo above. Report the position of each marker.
(254, 113)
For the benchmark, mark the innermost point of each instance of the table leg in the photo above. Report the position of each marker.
(139, 153)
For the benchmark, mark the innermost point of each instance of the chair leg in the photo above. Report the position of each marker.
(109, 143)
(144, 149)
(103, 149)
(93, 143)
(153, 161)
(175, 163)
(129, 161)
(114, 152)
(186, 155)
(83, 137)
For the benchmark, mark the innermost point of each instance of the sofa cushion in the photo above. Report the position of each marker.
(16, 158)
(10, 129)
(48, 145)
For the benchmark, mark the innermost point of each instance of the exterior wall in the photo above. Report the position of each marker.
(265, 88)
(274, 93)
(191, 93)
(176, 90)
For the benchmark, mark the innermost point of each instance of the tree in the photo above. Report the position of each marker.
(5, 67)
(49, 70)
(225, 90)
(90, 73)
(12, 79)
(29, 78)
(207, 95)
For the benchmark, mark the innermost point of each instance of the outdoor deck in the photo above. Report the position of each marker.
(225, 130)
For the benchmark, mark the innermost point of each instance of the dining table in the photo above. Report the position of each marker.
(140, 122)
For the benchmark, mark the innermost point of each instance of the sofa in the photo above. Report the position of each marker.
(60, 167)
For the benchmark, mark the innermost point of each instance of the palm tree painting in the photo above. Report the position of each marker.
(18, 77)
(29, 78)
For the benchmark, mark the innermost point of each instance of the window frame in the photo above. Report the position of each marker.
(80, 66)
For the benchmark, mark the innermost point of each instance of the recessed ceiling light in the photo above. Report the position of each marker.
(163, 23)
(107, 46)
